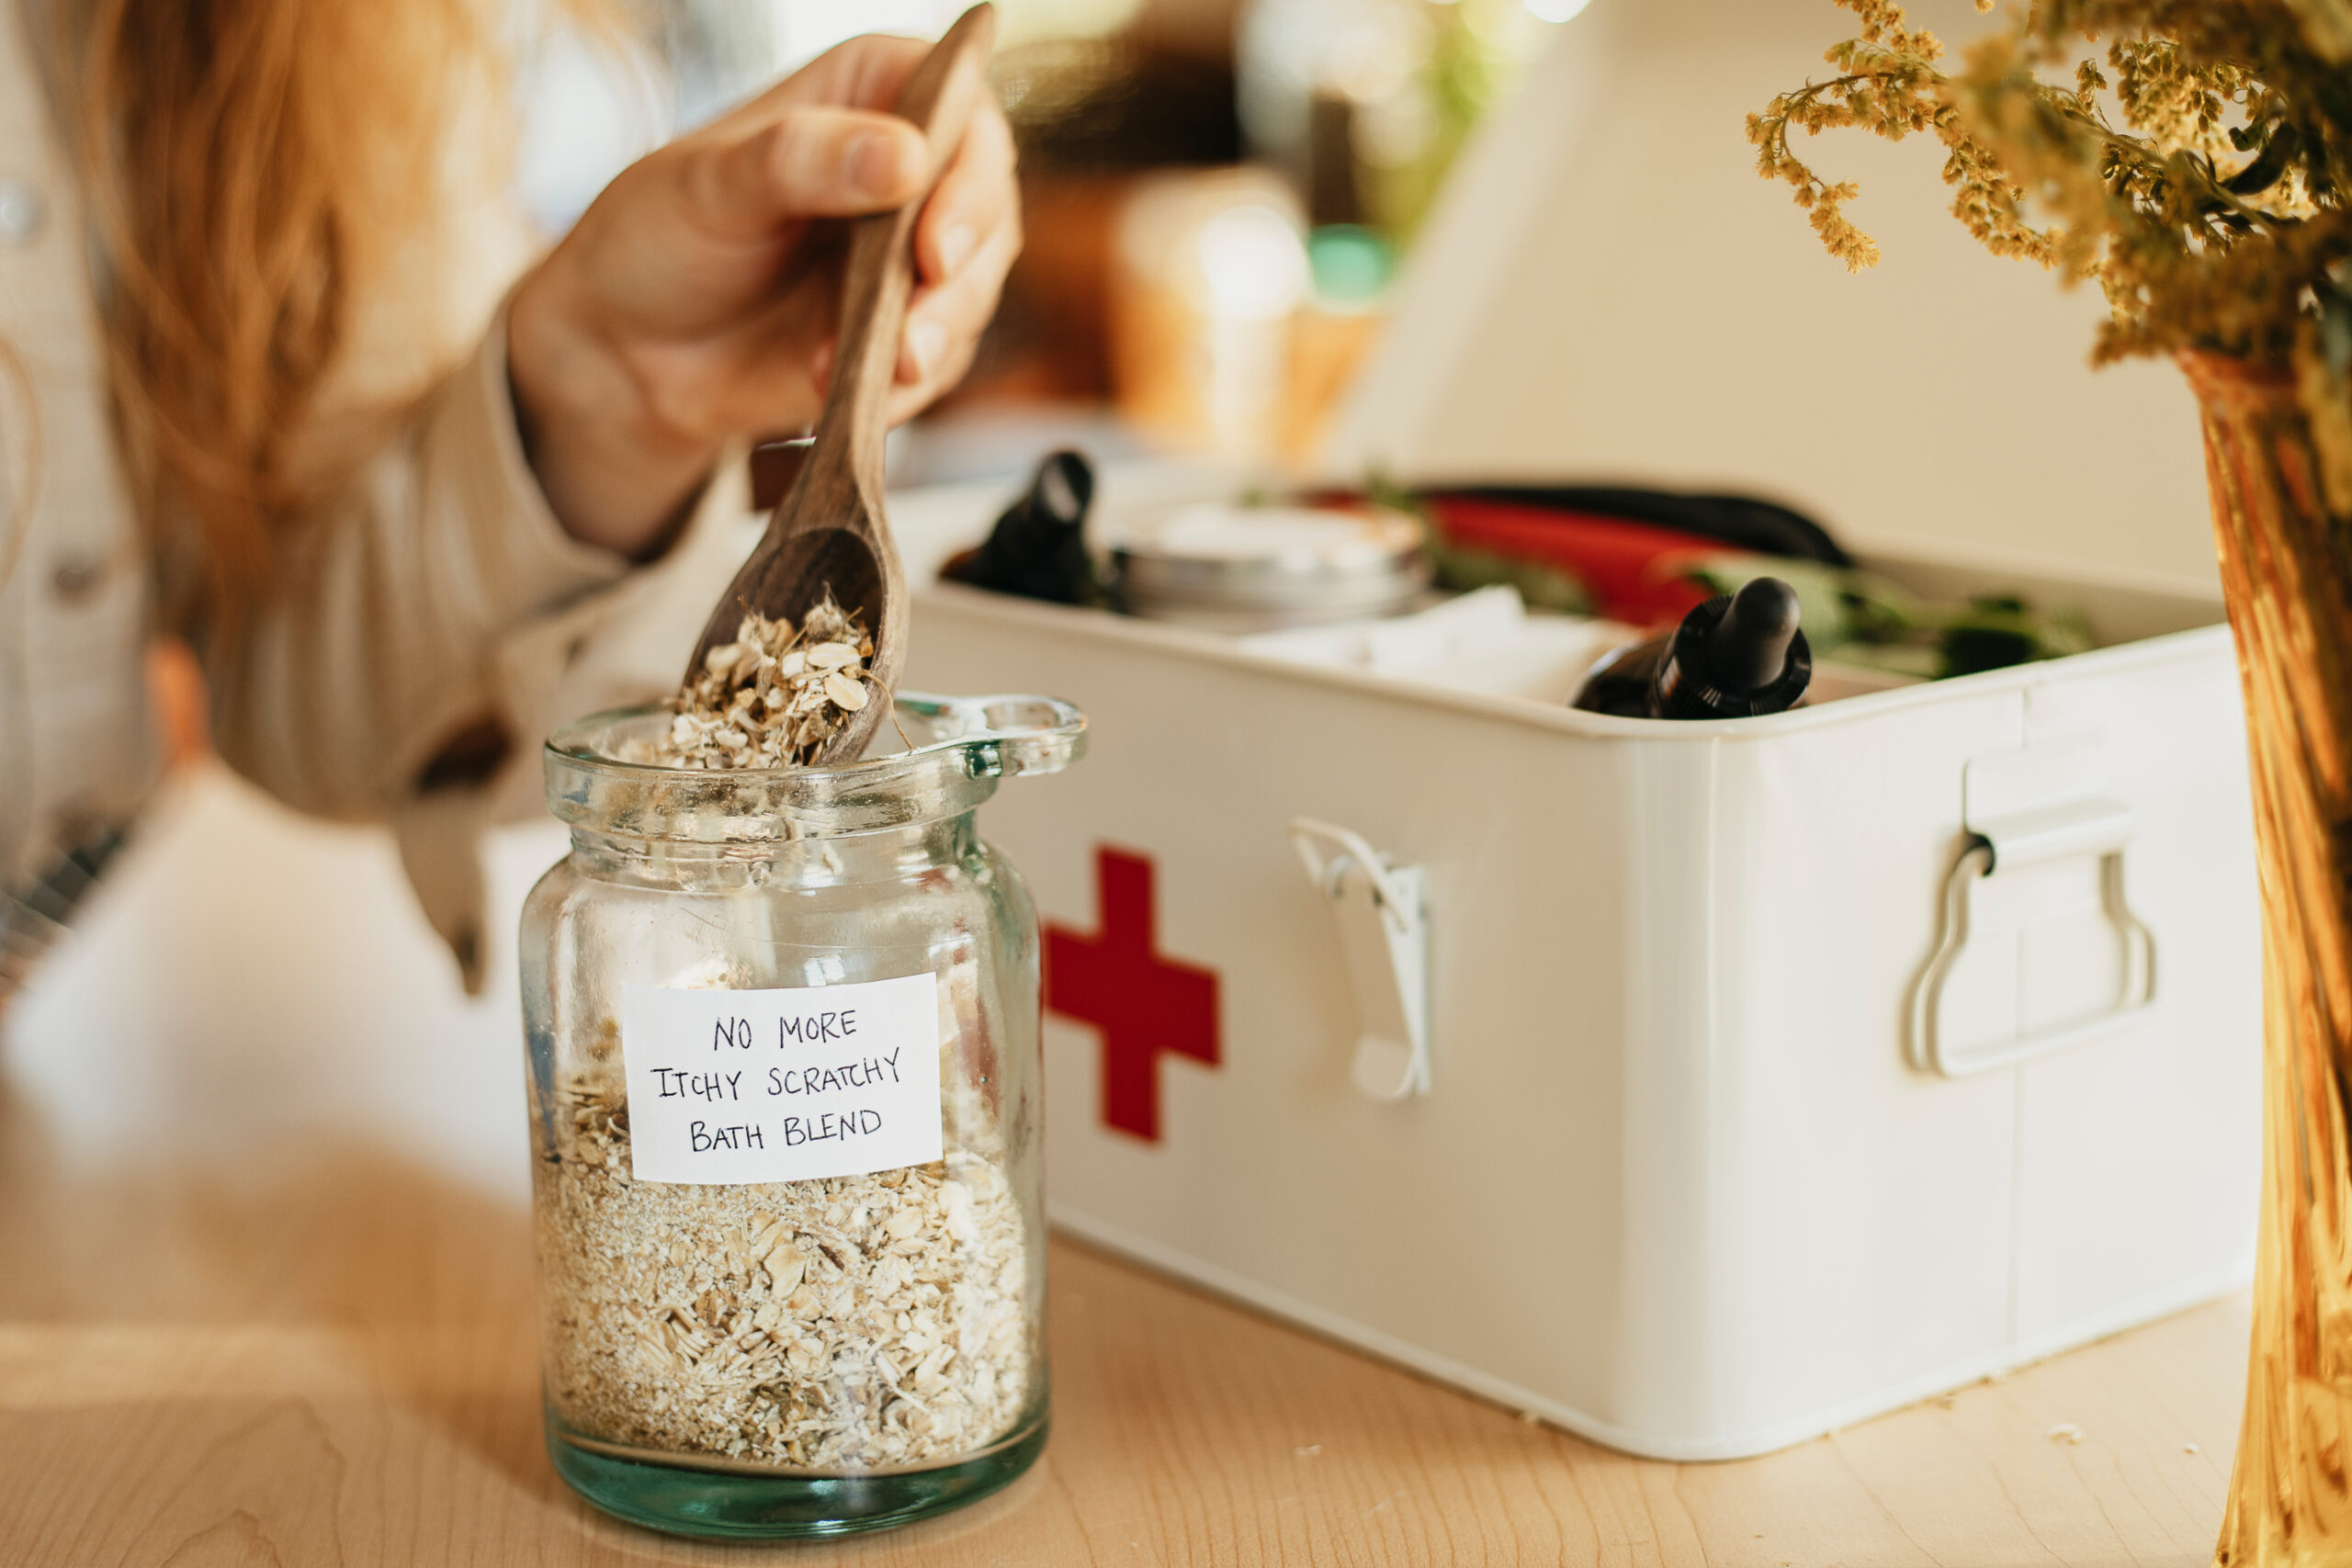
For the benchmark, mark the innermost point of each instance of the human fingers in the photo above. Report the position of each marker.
(946, 317)
(965, 243)
(809, 162)
(945, 321)
(975, 195)
(866, 72)
(762, 375)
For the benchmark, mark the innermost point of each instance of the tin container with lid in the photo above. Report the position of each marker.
(1255, 569)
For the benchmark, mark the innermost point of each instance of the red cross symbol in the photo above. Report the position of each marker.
(1144, 1004)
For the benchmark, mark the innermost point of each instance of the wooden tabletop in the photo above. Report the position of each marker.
(265, 1300)
(324, 1355)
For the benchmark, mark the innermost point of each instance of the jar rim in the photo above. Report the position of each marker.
(959, 749)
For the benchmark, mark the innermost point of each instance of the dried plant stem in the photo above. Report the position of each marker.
(2287, 572)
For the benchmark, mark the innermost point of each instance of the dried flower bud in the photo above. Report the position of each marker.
(772, 698)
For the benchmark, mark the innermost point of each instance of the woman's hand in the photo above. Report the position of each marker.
(693, 302)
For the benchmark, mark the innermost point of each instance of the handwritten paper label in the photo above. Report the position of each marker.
(727, 1088)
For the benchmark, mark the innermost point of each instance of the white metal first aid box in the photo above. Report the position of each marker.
(1703, 1086)
(1773, 1073)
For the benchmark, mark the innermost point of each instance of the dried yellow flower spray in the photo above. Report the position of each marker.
(2196, 169)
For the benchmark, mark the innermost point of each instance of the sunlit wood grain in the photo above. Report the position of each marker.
(325, 1356)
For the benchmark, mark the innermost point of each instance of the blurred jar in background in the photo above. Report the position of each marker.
(1365, 103)
(1231, 329)
(1350, 267)
(1209, 267)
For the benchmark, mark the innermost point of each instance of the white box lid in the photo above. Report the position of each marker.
(1608, 292)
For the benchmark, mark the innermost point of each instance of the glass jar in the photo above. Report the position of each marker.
(785, 1088)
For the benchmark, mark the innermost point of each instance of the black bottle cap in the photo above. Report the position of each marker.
(1749, 646)
(1037, 548)
(1062, 491)
(1737, 656)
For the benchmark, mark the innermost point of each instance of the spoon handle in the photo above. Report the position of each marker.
(880, 272)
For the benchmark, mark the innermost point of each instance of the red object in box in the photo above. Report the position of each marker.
(1633, 569)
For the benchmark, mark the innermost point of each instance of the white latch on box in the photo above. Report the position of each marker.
(1385, 931)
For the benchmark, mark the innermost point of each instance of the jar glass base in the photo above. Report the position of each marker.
(738, 1506)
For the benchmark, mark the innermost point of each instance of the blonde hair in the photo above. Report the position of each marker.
(249, 164)
(23, 465)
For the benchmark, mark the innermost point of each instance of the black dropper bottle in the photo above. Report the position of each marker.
(1736, 656)
(1037, 548)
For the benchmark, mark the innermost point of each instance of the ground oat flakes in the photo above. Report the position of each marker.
(851, 1322)
(770, 698)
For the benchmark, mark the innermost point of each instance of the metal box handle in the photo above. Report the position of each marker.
(2099, 828)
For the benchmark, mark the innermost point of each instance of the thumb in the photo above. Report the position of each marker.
(814, 162)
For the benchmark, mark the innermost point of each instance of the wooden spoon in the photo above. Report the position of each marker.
(830, 532)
